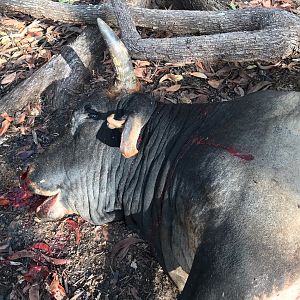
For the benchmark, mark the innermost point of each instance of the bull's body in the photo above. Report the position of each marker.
(214, 188)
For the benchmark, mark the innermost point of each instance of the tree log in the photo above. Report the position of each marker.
(203, 4)
(176, 21)
(62, 77)
(237, 35)
(272, 35)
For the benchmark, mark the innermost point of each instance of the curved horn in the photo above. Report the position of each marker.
(126, 79)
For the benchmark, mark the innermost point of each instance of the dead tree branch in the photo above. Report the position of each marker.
(176, 21)
(271, 35)
(62, 77)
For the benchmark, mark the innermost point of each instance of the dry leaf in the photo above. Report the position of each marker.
(9, 78)
(172, 77)
(178, 64)
(215, 83)
(139, 72)
(122, 247)
(200, 65)
(4, 201)
(239, 91)
(268, 67)
(173, 88)
(38, 257)
(21, 118)
(42, 246)
(74, 226)
(36, 273)
(12, 22)
(142, 63)
(55, 261)
(262, 85)
(7, 117)
(56, 290)
(5, 126)
(198, 75)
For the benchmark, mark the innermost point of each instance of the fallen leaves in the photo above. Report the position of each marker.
(9, 78)
(122, 247)
(42, 246)
(171, 77)
(22, 122)
(173, 88)
(215, 83)
(38, 257)
(71, 224)
(27, 44)
(36, 273)
(4, 127)
(198, 75)
(56, 290)
(262, 85)
(4, 201)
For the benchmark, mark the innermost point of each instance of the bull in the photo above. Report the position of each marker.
(214, 187)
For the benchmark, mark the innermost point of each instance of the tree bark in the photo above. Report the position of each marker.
(203, 4)
(272, 35)
(61, 78)
(176, 21)
(237, 35)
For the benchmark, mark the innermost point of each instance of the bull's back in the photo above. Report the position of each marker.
(238, 201)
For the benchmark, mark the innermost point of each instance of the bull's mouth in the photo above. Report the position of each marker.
(47, 211)
(52, 207)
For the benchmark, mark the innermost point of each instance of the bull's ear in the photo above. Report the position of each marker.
(130, 136)
(131, 129)
(132, 114)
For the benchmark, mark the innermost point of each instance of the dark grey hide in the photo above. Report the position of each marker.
(214, 188)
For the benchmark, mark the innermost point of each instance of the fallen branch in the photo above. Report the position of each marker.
(271, 35)
(176, 21)
(62, 77)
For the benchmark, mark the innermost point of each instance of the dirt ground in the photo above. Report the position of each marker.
(72, 259)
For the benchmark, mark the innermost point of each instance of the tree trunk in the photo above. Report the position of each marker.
(203, 4)
(139, 3)
(272, 35)
(61, 78)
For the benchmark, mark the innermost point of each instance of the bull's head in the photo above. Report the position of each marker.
(78, 173)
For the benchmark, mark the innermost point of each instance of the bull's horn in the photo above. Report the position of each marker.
(126, 79)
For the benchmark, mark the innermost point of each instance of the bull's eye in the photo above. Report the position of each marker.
(92, 113)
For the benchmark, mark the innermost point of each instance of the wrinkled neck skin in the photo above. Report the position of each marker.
(133, 188)
(147, 177)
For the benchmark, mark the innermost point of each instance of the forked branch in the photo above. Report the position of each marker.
(271, 35)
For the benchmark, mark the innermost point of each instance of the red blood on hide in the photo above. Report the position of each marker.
(229, 149)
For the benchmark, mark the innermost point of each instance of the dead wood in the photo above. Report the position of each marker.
(62, 77)
(176, 21)
(259, 34)
(203, 4)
